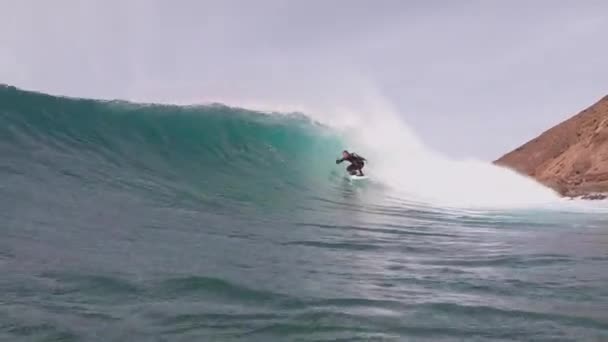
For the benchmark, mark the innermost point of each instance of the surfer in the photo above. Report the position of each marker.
(356, 162)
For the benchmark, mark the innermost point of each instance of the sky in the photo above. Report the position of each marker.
(473, 78)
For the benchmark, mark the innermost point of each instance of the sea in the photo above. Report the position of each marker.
(124, 221)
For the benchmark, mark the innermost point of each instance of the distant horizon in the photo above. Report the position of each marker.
(473, 79)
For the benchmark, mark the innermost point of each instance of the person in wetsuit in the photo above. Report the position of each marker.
(356, 162)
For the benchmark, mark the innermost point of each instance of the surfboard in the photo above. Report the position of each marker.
(355, 177)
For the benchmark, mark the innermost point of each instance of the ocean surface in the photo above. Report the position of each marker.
(140, 222)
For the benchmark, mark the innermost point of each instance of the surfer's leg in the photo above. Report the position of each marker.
(352, 169)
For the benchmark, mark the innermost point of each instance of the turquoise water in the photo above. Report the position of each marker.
(128, 222)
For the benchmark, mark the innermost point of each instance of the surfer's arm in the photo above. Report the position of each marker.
(338, 161)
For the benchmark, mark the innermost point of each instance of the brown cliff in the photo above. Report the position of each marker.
(572, 157)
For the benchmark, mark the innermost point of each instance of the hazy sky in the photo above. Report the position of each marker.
(472, 78)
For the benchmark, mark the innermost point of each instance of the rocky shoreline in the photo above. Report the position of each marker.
(598, 196)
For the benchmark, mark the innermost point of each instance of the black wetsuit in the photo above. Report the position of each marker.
(356, 163)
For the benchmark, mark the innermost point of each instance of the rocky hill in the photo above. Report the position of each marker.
(572, 157)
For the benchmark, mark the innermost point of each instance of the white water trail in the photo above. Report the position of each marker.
(400, 160)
